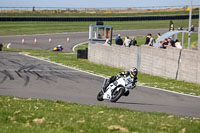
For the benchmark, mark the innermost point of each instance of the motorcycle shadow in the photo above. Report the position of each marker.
(139, 103)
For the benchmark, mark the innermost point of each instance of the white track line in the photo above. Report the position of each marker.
(8, 46)
(73, 49)
(102, 76)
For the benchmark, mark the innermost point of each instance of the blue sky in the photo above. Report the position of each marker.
(94, 3)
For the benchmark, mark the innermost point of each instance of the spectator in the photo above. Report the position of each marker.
(133, 42)
(192, 28)
(117, 38)
(108, 41)
(119, 41)
(99, 36)
(171, 42)
(158, 36)
(147, 39)
(127, 41)
(180, 28)
(178, 44)
(151, 40)
(165, 44)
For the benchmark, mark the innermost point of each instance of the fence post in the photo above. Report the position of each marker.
(179, 62)
(189, 27)
(199, 31)
(138, 58)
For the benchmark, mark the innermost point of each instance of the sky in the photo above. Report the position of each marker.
(95, 3)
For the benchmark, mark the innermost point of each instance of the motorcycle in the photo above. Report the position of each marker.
(120, 87)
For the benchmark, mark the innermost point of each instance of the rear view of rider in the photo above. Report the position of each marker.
(132, 73)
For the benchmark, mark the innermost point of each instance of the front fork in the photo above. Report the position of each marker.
(104, 83)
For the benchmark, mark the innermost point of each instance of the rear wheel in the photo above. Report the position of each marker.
(117, 93)
(100, 96)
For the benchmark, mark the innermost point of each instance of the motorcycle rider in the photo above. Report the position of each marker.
(132, 73)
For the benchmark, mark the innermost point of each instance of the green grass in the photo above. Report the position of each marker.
(19, 115)
(81, 47)
(144, 79)
(21, 28)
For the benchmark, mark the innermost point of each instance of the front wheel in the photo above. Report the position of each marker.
(100, 96)
(117, 93)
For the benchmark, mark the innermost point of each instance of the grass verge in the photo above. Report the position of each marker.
(21, 28)
(34, 115)
(144, 79)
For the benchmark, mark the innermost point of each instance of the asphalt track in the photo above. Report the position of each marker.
(26, 76)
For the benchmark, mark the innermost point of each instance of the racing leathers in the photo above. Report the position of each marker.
(119, 75)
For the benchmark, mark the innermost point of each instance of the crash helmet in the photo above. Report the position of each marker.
(133, 72)
(59, 46)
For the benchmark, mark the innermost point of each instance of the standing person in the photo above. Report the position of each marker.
(192, 28)
(133, 42)
(127, 41)
(117, 38)
(119, 41)
(158, 36)
(151, 40)
(171, 26)
(147, 39)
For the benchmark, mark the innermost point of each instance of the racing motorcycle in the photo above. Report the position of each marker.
(120, 87)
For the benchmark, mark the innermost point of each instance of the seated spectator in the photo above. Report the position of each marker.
(127, 41)
(119, 41)
(178, 44)
(165, 44)
(58, 48)
(171, 42)
(99, 36)
(180, 28)
(133, 42)
(117, 38)
(108, 41)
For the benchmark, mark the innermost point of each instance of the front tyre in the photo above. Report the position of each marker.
(100, 96)
(126, 93)
(117, 93)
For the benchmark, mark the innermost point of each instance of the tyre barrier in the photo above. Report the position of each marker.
(82, 54)
(137, 18)
(1, 46)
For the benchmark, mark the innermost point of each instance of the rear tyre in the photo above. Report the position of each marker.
(116, 94)
(100, 96)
